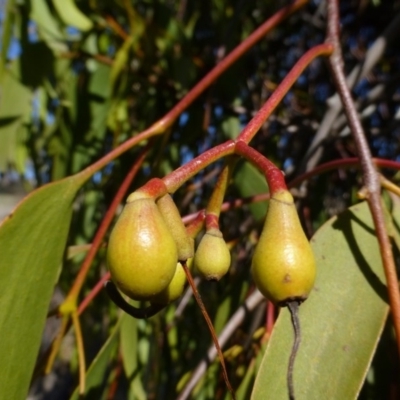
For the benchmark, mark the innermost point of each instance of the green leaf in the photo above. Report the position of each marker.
(8, 22)
(121, 59)
(129, 351)
(96, 375)
(250, 182)
(70, 14)
(341, 322)
(231, 127)
(223, 313)
(48, 28)
(15, 106)
(32, 243)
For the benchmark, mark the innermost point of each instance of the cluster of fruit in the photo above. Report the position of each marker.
(149, 242)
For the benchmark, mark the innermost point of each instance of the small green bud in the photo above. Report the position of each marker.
(212, 257)
(173, 220)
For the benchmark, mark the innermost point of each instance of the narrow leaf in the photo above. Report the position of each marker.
(129, 351)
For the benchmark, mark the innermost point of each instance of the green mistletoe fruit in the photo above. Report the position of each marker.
(172, 218)
(174, 290)
(283, 265)
(142, 253)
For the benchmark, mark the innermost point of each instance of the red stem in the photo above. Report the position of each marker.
(210, 325)
(342, 163)
(93, 293)
(154, 187)
(274, 176)
(196, 220)
(212, 222)
(168, 119)
(331, 165)
(196, 224)
(177, 178)
(270, 318)
(225, 63)
(266, 110)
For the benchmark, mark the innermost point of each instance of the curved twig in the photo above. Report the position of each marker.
(138, 313)
(217, 346)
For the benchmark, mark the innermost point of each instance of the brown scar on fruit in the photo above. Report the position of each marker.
(287, 278)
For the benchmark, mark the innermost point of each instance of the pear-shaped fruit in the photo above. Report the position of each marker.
(283, 265)
(174, 290)
(142, 253)
(212, 257)
(173, 220)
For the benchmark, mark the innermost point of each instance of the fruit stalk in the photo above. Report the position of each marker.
(294, 313)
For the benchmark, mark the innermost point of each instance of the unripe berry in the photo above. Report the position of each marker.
(212, 257)
(283, 265)
(174, 290)
(173, 220)
(142, 254)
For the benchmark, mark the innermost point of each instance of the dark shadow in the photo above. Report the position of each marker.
(36, 63)
(95, 393)
(343, 223)
(8, 120)
(37, 60)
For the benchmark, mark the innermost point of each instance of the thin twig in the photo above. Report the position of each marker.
(94, 292)
(390, 186)
(48, 361)
(81, 352)
(168, 119)
(138, 313)
(370, 175)
(210, 327)
(237, 318)
(273, 101)
(326, 167)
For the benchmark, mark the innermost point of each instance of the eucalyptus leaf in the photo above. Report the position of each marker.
(32, 243)
(7, 25)
(129, 351)
(48, 28)
(15, 106)
(70, 14)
